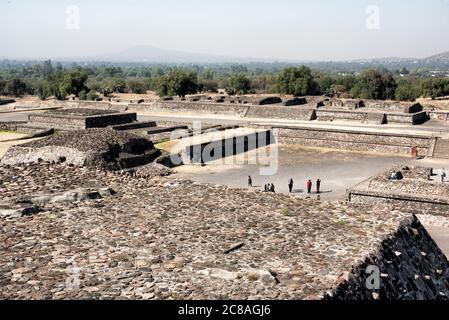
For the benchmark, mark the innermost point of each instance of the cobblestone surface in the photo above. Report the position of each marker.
(166, 239)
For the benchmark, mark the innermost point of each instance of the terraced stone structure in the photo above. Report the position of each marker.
(174, 239)
(418, 192)
(103, 148)
(80, 118)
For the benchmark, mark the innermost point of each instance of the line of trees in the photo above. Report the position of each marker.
(46, 80)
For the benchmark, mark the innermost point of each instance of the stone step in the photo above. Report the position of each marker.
(441, 149)
(375, 118)
(135, 125)
(127, 161)
(167, 129)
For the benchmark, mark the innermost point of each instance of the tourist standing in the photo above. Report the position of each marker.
(290, 185)
(443, 175)
(318, 186)
(309, 186)
(250, 181)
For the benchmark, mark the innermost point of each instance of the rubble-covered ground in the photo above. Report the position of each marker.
(165, 238)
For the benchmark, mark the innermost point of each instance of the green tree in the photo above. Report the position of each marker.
(389, 86)
(73, 82)
(92, 95)
(178, 82)
(434, 88)
(297, 81)
(136, 86)
(325, 83)
(238, 84)
(15, 88)
(209, 85)
(83, 95)
(407, 91)
(372, 84)
(47, 69)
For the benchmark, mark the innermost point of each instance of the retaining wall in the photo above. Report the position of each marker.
(72, 122)
(220, 149)
(198, 107)
(354, 140)
(417, 205)
(362, 116)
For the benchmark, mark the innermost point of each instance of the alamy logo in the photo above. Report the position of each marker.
(373, 279)
(373, 17)
(72, 21)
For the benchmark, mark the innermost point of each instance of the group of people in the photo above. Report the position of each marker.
(271, 188)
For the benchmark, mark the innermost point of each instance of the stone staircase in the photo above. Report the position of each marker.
(441, 149)
(375, 118)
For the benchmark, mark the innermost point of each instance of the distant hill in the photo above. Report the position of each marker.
(150, 54)
(144, 55)
(439, 58)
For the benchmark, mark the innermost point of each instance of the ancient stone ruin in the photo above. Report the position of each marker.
(419, 191)
(165, 239)
(95, 197)
(102, 148)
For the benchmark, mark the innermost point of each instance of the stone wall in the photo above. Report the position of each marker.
(10, 125)
(100, 105)
(403, 203)
(249, 111)
(281, 112)
(353, 140)
(333, 114)
(198, 107)
(221, 149)
(411, 267)
(363, 116)
(415, 118)
(72, 122)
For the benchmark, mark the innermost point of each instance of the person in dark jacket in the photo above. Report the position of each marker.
(290, 185)
(318, 186)
(250, 181)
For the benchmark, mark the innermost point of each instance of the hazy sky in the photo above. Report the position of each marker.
(281, 29)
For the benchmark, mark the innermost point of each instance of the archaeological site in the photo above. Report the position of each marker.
(224, 159)
(105, 200)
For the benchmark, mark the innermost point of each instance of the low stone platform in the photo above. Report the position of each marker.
(80, 118)
(174, 239)
(355, 140)
(414, 193)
